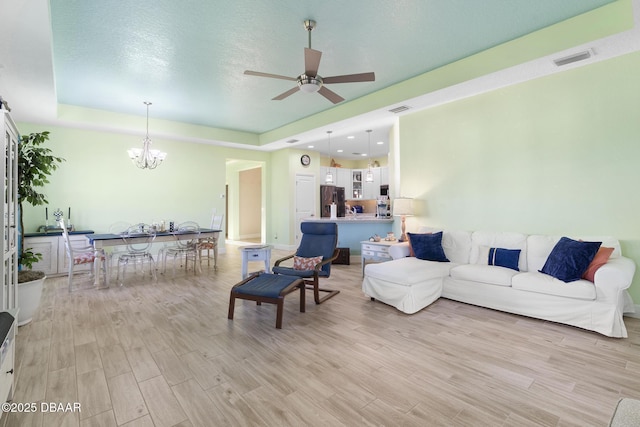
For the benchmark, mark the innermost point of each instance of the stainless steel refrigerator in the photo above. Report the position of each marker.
(331, 194)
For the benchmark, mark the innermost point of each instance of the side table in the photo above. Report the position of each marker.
(255, 253)
(375, 251)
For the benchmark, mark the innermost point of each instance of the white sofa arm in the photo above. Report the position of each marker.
(399, 250)
(613, 277)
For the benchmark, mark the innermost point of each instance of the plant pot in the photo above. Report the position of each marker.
(29, 294)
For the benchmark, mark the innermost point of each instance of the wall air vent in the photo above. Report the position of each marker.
(580, 56)
(399, 109)
(292, 141)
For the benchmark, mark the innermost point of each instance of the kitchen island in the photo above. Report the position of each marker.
(354, 229)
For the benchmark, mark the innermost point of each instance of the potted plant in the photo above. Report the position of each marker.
(35, 165)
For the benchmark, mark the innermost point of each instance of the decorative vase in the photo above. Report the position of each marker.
(29, 294)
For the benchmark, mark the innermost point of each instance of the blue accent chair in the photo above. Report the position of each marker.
(318, 238)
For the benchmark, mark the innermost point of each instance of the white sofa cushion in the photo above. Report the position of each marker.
(408, 271)
(490, 274)
(533, 281)
(399, 250)
(503, 240)
(456, 244)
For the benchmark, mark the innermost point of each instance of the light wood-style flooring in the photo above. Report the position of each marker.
(164, 354)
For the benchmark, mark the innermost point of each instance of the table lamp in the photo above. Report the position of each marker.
(403, 207)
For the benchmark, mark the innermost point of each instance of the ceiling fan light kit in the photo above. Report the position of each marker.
(309, 84)
(310, 81)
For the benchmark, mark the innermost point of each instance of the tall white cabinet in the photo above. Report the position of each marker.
(9, 269)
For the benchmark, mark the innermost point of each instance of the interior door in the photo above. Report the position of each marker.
(305, 202)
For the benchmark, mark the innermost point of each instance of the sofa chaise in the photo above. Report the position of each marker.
(410, 284)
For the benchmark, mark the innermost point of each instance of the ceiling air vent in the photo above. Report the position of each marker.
(292, 141)
(580, 56)
(399, 109)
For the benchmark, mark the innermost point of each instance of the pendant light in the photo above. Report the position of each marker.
(329, 178)
(369, 176)
(146, 158)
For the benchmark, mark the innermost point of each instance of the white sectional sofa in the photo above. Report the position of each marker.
(410, 284)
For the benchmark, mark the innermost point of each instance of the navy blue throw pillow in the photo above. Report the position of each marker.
(428, 246)
(504, 258)
(569, 259)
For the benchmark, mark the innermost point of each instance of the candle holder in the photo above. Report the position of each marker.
(57, 214)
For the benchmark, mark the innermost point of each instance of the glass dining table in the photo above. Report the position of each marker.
(101, 241)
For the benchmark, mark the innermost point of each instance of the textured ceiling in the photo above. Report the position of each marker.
(188, 57)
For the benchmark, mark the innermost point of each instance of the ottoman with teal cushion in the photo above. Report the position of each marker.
(269, 288)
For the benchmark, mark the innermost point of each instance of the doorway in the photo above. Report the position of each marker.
(245, 222)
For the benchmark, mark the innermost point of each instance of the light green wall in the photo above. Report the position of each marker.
(102, 186)
(557, 155)
(280, 214)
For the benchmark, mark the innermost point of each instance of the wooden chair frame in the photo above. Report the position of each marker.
(278, 301)
(314, 282)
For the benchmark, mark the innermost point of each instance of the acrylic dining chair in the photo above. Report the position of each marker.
(138, 239)
(78, 254)
(186, 249)
(210, 244)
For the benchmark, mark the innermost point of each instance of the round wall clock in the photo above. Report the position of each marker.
(305, 160)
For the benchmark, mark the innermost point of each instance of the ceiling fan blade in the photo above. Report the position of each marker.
(285, 94)
(273, 76)
(330, 95)
(311, 61)
(351, 78)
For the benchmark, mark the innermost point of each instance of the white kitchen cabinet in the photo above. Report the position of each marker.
(341, 178)
(356, 183)
(371, 190)
(323, 174)
(384, 175)
(344, 180)
(353, 181)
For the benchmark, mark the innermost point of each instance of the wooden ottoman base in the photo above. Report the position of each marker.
(269, 288)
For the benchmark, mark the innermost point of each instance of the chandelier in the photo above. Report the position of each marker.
(146, 158)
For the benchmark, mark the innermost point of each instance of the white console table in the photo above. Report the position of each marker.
(375, 251)
(255, 253)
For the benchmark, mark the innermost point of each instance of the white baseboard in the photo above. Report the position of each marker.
(248, 236)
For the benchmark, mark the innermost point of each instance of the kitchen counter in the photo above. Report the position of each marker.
(364, 219)
(353, 231)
